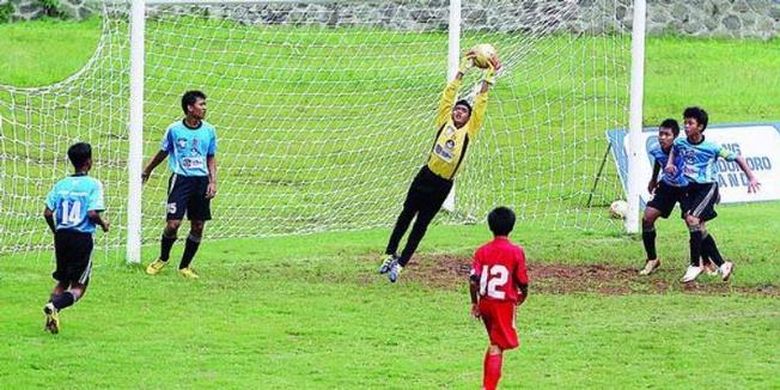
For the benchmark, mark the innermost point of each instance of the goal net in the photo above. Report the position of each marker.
(324, 113)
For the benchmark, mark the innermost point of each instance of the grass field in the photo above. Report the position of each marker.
(310, 312)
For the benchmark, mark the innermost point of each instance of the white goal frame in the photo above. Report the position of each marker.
(135, 124)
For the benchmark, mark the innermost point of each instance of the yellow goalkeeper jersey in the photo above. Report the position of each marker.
(451, 143)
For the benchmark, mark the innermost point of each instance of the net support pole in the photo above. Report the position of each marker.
(135, 131)
(635, 115)
(453, 57)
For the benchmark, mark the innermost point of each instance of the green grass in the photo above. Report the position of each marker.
(308, 311)
(41, 53)
(736, 80)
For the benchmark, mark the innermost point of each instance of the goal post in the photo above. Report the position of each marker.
(135, 131)
(636, 115)
(453, 58)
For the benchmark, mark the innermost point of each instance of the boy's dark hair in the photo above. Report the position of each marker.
(501, 221)
(671, 124)
(189, 98)
(79, 154)
(699, 114)
(463, 102)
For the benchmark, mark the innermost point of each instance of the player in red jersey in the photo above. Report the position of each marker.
(498, 272)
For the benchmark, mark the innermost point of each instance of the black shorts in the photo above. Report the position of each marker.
(188, 193)
(700, 199)
(74, 257)
(666, 196)
(427, 191)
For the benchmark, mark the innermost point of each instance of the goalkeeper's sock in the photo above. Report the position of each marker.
(190, 248)
(166, 243)
(492, 370)
(648, 239)
(695, 243)
(710, 250)
(63, 300)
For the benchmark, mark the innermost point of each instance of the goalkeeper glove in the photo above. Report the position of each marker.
(490, 75)
(466, 63)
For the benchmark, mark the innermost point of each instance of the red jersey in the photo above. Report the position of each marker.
(500, 268)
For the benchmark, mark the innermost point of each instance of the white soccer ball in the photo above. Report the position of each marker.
(482, 55)
(618, 209)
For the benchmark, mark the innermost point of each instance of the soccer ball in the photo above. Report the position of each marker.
(618, 209)
(483, 54)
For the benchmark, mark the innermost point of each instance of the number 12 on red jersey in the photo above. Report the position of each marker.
(493, 278)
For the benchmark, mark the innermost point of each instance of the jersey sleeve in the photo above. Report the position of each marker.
(654, 155)
(659, 158)
(478, 116)
(446, 102)
(96, 201)
(521, 273)
(166, 145)
(676, 145)
(213, 144)
(725, 154)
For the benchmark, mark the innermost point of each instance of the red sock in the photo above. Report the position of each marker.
(492, 371)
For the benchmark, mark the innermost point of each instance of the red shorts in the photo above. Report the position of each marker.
(499, 319)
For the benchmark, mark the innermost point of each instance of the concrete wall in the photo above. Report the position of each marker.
(34, 9)
(724, 18)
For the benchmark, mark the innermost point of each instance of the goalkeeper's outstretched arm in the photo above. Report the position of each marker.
(447, 100)
(490, 74)
(480, 101)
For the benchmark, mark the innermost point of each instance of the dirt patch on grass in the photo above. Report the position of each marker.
(446, 271)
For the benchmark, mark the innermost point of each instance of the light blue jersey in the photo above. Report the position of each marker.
(71, 199)
(699, 160)
(188, 148)
(661, 157)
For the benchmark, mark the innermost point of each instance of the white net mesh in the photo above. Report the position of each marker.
(37, 125)
(324, 113)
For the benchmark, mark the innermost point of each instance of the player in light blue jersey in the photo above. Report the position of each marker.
(72, 211)
(190, 146)
(666, 193)
(699, 157)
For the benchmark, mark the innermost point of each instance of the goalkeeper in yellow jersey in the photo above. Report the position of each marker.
(456, 124)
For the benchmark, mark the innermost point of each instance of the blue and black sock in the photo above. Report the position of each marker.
(648, 239)
(710, 249)
(63, 300)
(166, 243)
(190, 248)
(695, 243)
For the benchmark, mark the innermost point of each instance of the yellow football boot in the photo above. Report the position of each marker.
(52, 318)
(155, 267)
(188, 273)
